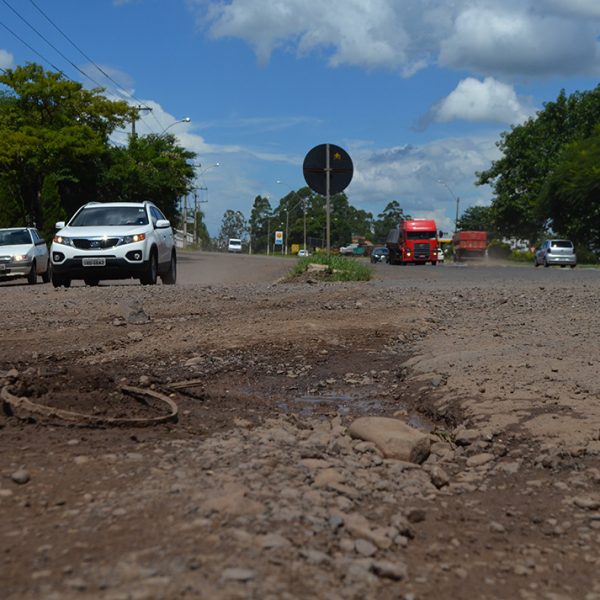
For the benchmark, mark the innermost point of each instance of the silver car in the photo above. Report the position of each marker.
(555, 252)
(23, 253)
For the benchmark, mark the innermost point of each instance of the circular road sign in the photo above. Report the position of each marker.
(340, 169)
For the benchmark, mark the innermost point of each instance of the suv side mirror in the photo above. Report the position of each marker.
(162, 224)
(59, 224)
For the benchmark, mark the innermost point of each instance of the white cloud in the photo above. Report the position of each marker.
(492, 39)
(6, 59)
(411, 175)
(365, 33)
(513, 37)
(487, 100)
(578, 8)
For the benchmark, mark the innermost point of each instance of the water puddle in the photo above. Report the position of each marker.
(346, 404)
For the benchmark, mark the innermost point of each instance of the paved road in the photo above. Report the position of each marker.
(214, 268)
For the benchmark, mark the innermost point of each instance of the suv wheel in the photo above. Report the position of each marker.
(58, 281)
(170, 277)
(32, 277)
(149, 277)
(47, 274)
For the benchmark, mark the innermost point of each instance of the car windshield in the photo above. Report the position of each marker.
(110, 216)
(14, 238)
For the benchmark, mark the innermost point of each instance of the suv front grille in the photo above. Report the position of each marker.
(95, 243)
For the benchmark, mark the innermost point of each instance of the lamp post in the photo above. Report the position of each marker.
(287, 211)
(445, 184)
(184, 120)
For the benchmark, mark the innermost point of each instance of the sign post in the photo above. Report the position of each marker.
(328, 170)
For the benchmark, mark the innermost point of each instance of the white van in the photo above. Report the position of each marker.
(234, 245)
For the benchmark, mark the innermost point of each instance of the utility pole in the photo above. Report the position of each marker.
(196, 217)
(185, 221)
(138, 108)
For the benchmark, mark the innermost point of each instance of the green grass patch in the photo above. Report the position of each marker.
(338, 268)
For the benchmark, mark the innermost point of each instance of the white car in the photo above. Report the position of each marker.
(303, 253)
(23, 253)
(114, 240)
(440, 255)
(234, 245)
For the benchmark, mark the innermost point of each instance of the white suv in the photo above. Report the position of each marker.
(114, 240)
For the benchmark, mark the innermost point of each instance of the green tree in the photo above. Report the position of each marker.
(388, 219)
(50, 127)
(570, 200)
(232, 226)
(529, 154)
(151, 167)
(258, 223)
(477, 218)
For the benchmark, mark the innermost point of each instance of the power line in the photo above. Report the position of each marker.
(50, 43)
(58, 51)
(32, 48)
(118, 88)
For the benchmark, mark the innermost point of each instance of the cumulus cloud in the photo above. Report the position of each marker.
(578, 8)
(6, 59)
(411, 174)
(487, 100)
(503, 40)
(365, 33)
(513, 37)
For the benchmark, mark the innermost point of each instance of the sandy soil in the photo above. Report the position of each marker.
(257, 491)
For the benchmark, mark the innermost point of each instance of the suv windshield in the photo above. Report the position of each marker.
(110, 216)
(13, 238)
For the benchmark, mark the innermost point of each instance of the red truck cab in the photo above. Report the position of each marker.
(414, 241)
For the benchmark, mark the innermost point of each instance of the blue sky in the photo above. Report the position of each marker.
(417, 91)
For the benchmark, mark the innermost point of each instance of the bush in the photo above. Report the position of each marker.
(586, 256)
(339, 268)
(520, 256)
(497, 249)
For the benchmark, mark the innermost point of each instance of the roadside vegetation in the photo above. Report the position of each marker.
(330, 268)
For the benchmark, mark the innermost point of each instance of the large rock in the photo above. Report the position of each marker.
(394, 438)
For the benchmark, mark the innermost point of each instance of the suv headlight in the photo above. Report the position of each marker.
(65, 241)
(132, 239)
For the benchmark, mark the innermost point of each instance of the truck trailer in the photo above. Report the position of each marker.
(469, 245)
(414, 241)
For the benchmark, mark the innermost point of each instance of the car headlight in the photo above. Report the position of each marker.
(132, 239)
(65, 241)
(19, 257)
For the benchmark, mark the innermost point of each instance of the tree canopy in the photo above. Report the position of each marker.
(56, 154)
(531, 154)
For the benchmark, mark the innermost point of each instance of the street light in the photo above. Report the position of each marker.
(184, 120)
(442, 182)
(287, 215)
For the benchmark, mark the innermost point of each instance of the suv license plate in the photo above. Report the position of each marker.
(93, 262)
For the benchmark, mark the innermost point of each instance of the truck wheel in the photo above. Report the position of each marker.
(433, 263)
